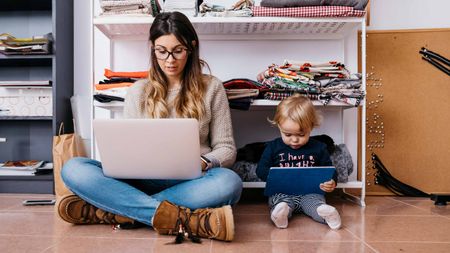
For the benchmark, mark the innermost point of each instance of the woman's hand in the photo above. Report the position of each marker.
(328, 186)
(204, 165)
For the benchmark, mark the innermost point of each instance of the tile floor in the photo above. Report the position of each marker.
(387, 224)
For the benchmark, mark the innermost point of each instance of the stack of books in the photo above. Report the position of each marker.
(10, 45)
(25, 168)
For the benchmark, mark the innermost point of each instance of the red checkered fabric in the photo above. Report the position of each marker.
(307, 11)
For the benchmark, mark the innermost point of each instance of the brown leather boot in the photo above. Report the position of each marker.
(74, 210)
(212, 223)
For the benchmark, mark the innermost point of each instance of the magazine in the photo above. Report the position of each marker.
(22, 165)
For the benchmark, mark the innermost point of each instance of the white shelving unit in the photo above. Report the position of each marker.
(242, 47)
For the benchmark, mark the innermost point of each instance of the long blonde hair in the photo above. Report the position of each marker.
(189, 103)
(299, 109)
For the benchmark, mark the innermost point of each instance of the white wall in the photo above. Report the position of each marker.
(409, 14)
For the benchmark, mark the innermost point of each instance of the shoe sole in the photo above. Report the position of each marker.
(63, 208)
(229, 223)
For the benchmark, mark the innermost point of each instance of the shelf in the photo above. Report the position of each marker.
(112, 106)
(266, 102)
(25, 60)
(118, 106)
(26, 5)
(354, 184)
(26, 117)
(124, 27)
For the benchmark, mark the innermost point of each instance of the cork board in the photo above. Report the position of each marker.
(408, 109)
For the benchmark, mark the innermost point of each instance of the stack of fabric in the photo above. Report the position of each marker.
(129, 7)
(187, 7)
(239, 9)
(241, 92)
(115, 87)
(324, 81)
(310, 8)
(10, 45)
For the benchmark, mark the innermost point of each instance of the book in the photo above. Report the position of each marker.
(32, 49)
(26, 165)
(26, 83)
(45, 169)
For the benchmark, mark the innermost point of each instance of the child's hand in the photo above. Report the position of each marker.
(328, 186)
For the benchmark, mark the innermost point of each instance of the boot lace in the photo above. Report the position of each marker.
(184, 229)
(88, 213)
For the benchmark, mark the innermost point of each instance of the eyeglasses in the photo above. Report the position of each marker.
(178, 53)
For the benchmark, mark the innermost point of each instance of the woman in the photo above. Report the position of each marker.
(175, 88)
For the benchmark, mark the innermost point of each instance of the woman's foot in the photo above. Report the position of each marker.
(280, 215)
(212, 223)
(75, 210)
(330, 215)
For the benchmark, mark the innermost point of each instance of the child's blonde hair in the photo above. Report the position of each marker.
(299, 109)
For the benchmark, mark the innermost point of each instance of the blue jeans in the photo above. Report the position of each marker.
(139, 199)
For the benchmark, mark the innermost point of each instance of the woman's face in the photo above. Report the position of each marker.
(171, 56)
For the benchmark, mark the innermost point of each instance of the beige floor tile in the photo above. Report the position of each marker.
(28, 223)
(13, 202)
(427, 205)
(411, 247)
(290, 246)
(99, 245)
(25, 244)
(260, 227)
(251, 208)
(164, 244)
(102, 231)
(378, 206)
(125, 245)
(400, 228)
(387, 224)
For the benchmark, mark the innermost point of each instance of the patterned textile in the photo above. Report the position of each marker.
(247, 171)
(310, 11)
(120, 7)
(357, 4)
(342, 160)
(306, 204)
(271, 95)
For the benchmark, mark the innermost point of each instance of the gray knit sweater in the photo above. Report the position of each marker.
(216, 132)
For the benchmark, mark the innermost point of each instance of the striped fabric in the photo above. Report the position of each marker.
(307, 12)
(306, 204)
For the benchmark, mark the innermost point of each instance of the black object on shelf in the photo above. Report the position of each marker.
(26, 5)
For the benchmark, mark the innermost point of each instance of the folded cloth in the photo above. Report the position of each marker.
(118, 80)
(106, 98)
(243, 83)
(240, 103)
(307, 12)
(111, 85)
(136, 74)
(241, 93)
(356, 4)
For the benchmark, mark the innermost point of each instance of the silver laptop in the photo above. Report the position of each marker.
(149, 148)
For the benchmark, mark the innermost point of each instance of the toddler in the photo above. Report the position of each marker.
(296, 117)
